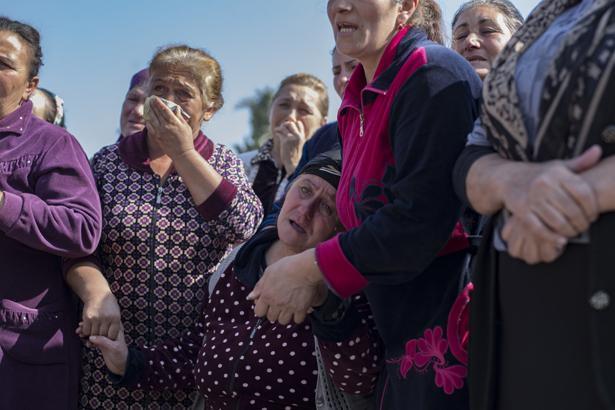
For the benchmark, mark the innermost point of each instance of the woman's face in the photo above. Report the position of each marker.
(131, 118)
(479, 35)
(342, 67)
(308, 215)
(362, 28)
(177, 84)
(15, 84)
(297, 103)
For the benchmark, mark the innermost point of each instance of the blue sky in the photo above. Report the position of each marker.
(91, 49)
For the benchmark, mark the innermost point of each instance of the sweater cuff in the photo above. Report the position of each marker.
(342, 277)
(218, 201)
(10, 211)
(135, 366)
(335, 320)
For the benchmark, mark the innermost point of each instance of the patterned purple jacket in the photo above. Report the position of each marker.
(238, 361)
(157, 251)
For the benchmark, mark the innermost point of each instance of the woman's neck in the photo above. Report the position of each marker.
(370, 62)
(277, 251)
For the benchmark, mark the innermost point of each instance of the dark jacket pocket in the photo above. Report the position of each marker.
(32, 336)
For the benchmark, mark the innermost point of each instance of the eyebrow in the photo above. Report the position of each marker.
(483, 21)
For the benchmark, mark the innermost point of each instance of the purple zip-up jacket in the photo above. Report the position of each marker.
(51, 210)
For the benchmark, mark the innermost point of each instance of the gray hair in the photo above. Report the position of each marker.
(512, 16)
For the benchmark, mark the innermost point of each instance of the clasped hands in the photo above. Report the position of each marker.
(289, 289)
(549, 204)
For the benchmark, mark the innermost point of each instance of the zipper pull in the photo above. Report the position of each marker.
(159, 195)
(360, 124)
(255, 328)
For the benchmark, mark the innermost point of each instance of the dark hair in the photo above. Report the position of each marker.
(428, 17)
(31, 37)
(512, 16)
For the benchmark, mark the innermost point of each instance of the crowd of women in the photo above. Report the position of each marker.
(333, 268)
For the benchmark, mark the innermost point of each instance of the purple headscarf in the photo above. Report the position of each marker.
(139, 78)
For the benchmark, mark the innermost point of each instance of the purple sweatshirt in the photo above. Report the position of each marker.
(51, 210)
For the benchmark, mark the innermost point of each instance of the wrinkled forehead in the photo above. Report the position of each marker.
(299, 93)
(319, 183)
(173, 74)
(479, 14)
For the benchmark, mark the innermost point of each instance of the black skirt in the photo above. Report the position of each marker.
(535, 340)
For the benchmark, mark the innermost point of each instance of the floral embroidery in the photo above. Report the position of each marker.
(430, 351)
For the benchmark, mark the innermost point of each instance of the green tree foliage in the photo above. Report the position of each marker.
(258, 106)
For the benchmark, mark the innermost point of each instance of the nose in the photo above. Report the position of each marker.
(338, 6)
(472, 41)
(291, 115)
(138, 110)
(308, 207)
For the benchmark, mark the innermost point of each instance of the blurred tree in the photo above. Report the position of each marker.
(258, 105)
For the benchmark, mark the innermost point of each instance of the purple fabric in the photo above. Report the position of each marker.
(139, 78)
(51, 210)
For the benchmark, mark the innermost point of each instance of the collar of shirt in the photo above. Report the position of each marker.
(134, 152)
(17, 121)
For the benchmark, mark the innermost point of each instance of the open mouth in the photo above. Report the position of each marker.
(346, 28)
(297, 227)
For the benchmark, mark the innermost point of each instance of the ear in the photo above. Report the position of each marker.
(323, 121)
(407, 8)
(208, 113)
(32, 84)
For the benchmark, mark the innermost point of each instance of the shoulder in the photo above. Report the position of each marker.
(49, 135)
(105, 154)
(444, 67)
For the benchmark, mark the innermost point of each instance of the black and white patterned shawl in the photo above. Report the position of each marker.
(573, 91)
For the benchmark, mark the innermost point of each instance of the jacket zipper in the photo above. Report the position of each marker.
(152, 267)
(245, 350)
(361, 124)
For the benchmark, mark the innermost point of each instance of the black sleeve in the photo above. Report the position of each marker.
(430, 118)
(468, 156)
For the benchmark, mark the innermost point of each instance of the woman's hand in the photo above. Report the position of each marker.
(101, 316)
(115, 352)
(290, 137)
(169, 129)
(550, 203)
(554, 196)
(530, 244)
(289, 289)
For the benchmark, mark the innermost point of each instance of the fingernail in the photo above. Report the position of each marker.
(250, 296)
(93, 338)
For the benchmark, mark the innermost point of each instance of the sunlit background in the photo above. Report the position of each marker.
(91, 49)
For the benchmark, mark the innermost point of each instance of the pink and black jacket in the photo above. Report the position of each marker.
(404, 246)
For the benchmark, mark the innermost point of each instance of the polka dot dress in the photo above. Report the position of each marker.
(241, 362)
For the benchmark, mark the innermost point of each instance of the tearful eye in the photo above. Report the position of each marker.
(325, 209)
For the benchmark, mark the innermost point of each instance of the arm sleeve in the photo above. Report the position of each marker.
(62, 215)
(233, 209)
(166, 366)
(354, 360)
(430, 119)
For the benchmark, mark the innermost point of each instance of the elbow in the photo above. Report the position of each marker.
(86, 242)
